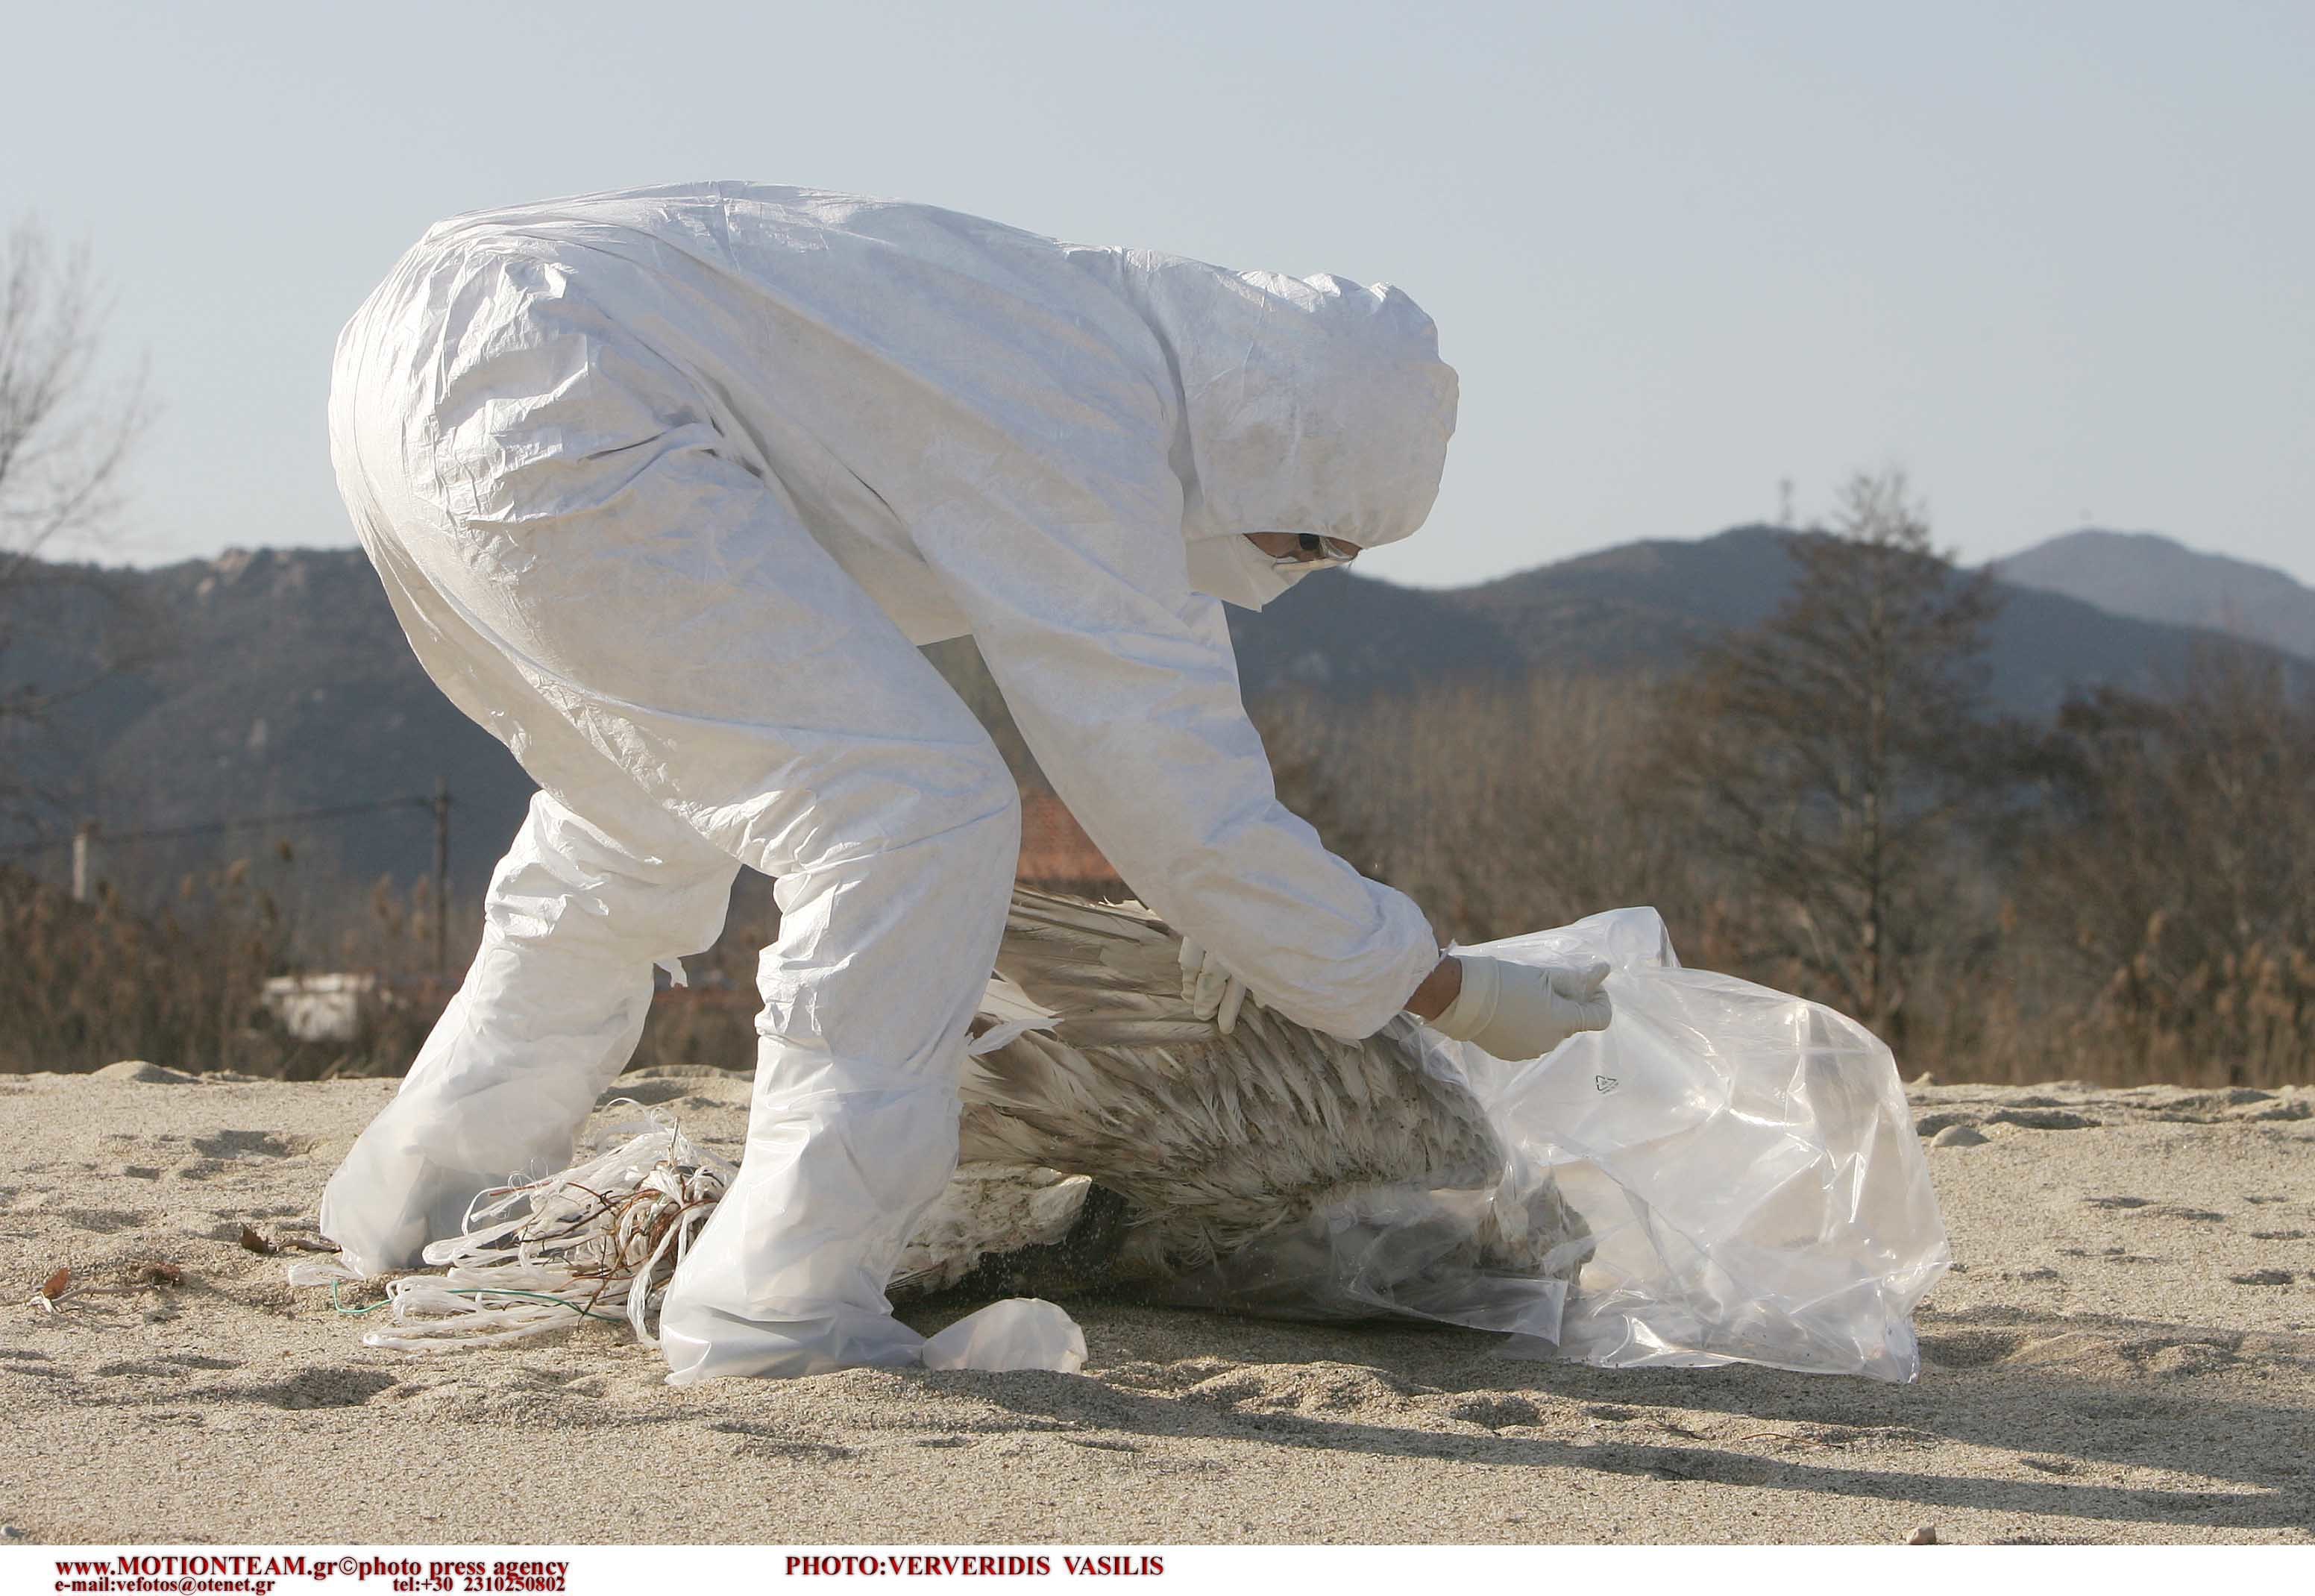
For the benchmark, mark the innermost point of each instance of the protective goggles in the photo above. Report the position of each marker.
(1314, 552)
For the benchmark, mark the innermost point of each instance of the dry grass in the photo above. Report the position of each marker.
(2141, 907)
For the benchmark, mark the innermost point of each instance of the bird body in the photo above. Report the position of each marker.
(1254, 1168)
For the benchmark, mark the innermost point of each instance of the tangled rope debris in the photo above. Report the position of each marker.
(600, 1240)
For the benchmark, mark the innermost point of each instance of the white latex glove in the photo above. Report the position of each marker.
(1209, 989)
(1515, 1012)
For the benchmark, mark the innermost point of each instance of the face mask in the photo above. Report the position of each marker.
(1236, 572)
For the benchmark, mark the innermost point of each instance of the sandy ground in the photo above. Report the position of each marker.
(2125, 1351)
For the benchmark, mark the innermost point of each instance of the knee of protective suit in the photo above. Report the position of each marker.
(996, 800)
(569, 878)
(966, 799)
(954, 798)
(992, 804)
(884, 950)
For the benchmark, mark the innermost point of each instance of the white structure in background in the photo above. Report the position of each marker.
(320, 1008)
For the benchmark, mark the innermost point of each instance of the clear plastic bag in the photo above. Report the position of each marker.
(1741, 1167)
(1745, 1160)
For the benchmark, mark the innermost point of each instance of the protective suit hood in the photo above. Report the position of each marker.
(1310, 404)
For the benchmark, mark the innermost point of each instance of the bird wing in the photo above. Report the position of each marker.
(1213, 1138)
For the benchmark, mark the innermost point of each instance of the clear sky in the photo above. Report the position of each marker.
(2054, 258)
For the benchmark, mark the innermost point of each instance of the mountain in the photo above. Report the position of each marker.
(1646, 605)
(2158, 579)
(277, 680)
(254, 684)
(1347, 634)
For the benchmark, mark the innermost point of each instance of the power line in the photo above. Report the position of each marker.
(214, 828)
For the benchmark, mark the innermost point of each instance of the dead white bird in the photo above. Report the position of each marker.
(1207, 1156)
(1110, 1139)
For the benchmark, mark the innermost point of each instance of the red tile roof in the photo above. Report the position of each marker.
(1055, 851)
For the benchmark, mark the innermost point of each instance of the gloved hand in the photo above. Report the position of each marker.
(1515, 1012)
(1209, 989)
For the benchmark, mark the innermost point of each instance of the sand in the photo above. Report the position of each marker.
(2125, 1351)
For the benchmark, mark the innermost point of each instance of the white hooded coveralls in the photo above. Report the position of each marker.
(664, 486)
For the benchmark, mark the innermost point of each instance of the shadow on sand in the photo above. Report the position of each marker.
(2064, 1395)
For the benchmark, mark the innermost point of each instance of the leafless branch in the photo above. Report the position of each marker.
(66, 430)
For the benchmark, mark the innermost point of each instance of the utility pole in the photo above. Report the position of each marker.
(442, 878)
(83, 859)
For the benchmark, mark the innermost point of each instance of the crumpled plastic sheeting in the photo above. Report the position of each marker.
(1741, 1165)
(1018, 1333)
(1745, 1160)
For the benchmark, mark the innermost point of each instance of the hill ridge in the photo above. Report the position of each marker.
(276, 679)
(2151, 576)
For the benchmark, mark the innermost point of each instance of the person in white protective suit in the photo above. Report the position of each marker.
(665, 485)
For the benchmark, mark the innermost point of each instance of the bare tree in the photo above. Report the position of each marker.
(2177, 879)
(65, 432)
(1499, 805)
(1834, 753)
